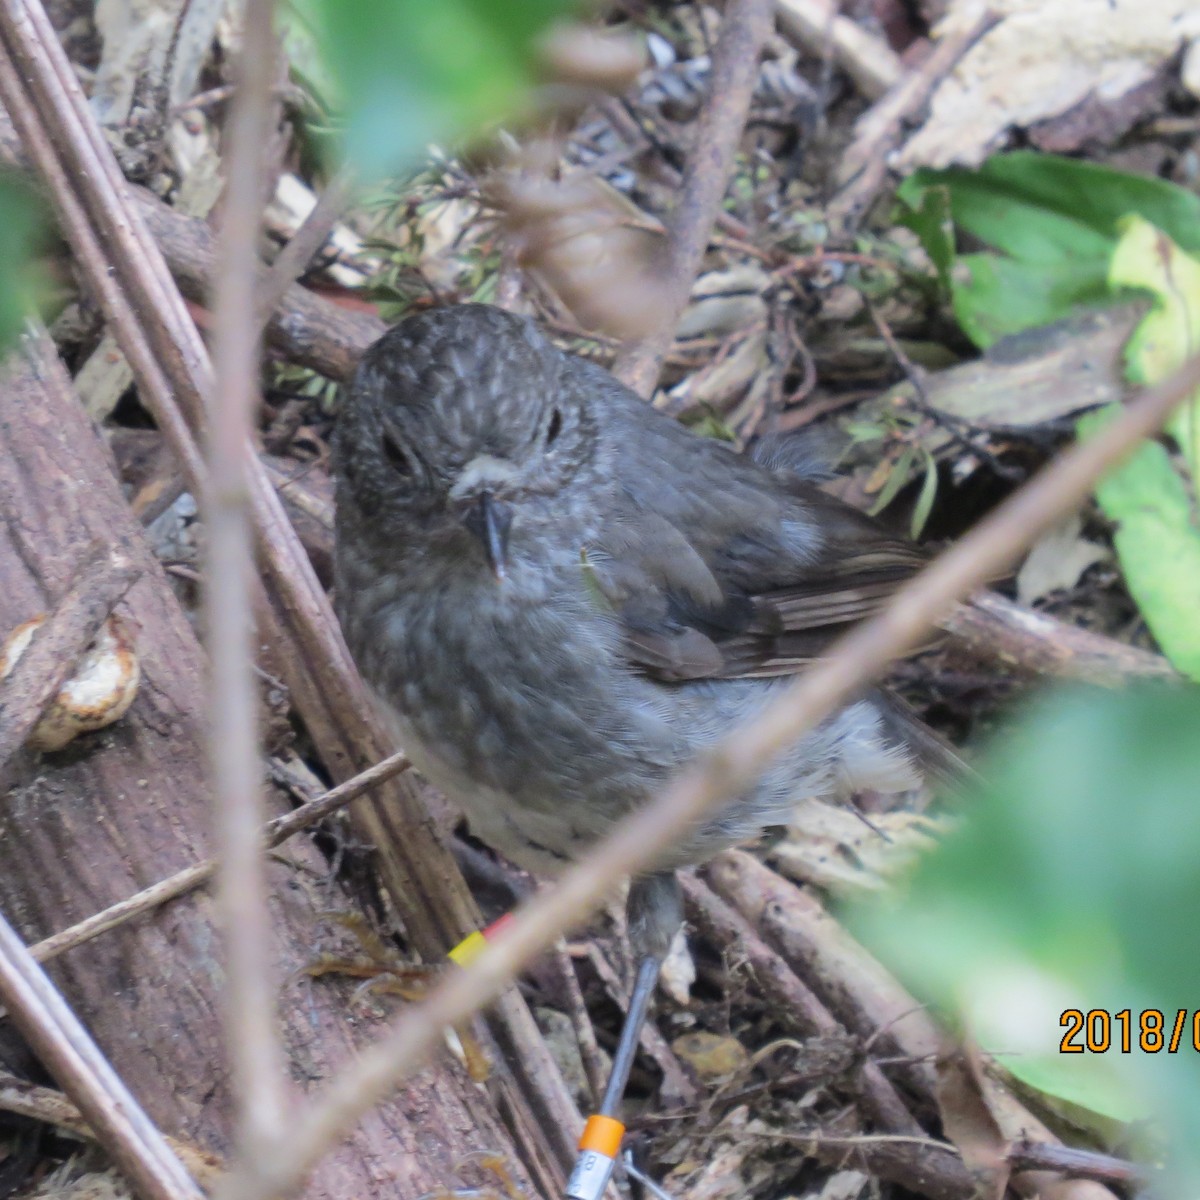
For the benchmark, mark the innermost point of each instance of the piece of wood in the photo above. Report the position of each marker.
(1036, 644)
(817, 27)
(126, 806)
(103, 576)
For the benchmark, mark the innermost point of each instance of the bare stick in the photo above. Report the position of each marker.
(1088, 1164)
(865, 163)
(730, 768)
(256, 1057)
(69, 1054)
(102, 578)
(190, 878)
(294, 258)
(676, 1080)
(585, 1035)
(744, 31)
(51, 1107)
(816, 26)
(1039, 644)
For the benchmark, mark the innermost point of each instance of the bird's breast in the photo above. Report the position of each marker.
(514, 691)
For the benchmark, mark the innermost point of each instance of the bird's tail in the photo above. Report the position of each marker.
(937, 759)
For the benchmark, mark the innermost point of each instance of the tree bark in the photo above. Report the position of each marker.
(118, 809)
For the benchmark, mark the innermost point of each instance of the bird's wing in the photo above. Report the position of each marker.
(856, 570)
(719, 568)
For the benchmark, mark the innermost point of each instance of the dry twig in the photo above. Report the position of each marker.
(1086, 1164)
(867, 59)
(865, 163)
(187, 880)
(235, 762)
(51, 1107)
(1040, 644)
(744, 31)
(585, 1034)
(69, 1054)
(676, 1082)
(294, 258)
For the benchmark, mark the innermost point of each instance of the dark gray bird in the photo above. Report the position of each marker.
(563, 596)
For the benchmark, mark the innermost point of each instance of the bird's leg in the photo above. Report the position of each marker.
(635, 1018)
(655, 909)
(655, 914)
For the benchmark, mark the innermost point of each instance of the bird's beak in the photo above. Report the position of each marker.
(489, 520)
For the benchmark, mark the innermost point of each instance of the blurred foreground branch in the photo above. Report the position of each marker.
(252, 1046)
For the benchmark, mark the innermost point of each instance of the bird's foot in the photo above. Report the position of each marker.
(384, 972)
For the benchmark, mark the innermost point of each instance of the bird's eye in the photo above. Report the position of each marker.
(555, 427)
(400, 461)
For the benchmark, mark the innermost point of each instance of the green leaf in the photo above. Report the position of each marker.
(409, 73)
(1158, 544)
(931, 221)
(1054, 223)
(1169, 334)
(995, 296)
(897, 478)
(928, 493)
(1157, 537)
(22, 285)
(1030, 205)
(1072, 882)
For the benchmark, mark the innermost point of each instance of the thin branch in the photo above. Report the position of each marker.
(294, 258)
(585, 1034)
(69, 1054)
(101, 579)
(675, 1079)
(1043, 645)
(307, 328)
(818, 27)
(864, 165)
(190, 878)
(1087, 1164)
(727, 770)
(891, 1157)
(253, 1045)
(746, 26)
(51, 1107)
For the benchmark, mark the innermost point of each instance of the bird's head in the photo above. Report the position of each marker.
(461, 426)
